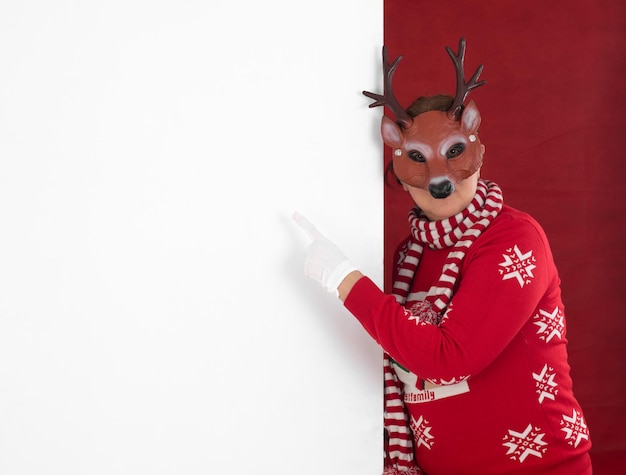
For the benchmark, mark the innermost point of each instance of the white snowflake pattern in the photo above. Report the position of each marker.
(545, 384)
(551, 324)
(575, 428)
(423, 313)
(421, 433)
(522, 444)
(518, 265)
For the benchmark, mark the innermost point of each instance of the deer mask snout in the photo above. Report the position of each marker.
(441, 189)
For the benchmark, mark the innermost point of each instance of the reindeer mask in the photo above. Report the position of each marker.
(434, 150)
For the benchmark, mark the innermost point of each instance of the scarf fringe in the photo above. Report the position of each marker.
(397, 471)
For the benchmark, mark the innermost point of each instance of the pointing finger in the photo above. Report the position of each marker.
(306, 226)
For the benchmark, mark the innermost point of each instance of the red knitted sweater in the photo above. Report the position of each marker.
(488, 390)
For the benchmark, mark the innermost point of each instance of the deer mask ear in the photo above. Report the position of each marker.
(470, 119)
(391, 132)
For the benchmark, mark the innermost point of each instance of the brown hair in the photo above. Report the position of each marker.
(440, 102)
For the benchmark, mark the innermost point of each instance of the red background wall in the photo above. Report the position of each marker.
(554, 127)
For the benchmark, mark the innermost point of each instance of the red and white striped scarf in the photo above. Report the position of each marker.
(457, 233)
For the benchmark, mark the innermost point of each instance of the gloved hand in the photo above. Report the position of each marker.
(325, 263)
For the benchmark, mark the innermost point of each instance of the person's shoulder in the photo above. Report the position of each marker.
(513, 217)
(514, 223)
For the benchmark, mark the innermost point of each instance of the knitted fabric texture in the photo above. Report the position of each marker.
(456, 233)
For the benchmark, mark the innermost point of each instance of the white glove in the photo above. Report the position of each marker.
(325, 263)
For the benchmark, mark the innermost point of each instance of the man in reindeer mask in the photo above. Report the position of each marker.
(476, 373)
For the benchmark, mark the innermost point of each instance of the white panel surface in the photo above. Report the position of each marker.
(154, 315)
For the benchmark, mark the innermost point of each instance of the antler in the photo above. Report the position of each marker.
(462, 88)
(388, 99)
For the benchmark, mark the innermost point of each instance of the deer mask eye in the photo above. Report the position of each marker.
(416, 156)
(455, 150)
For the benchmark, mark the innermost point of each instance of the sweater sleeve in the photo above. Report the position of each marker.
(504, 276)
